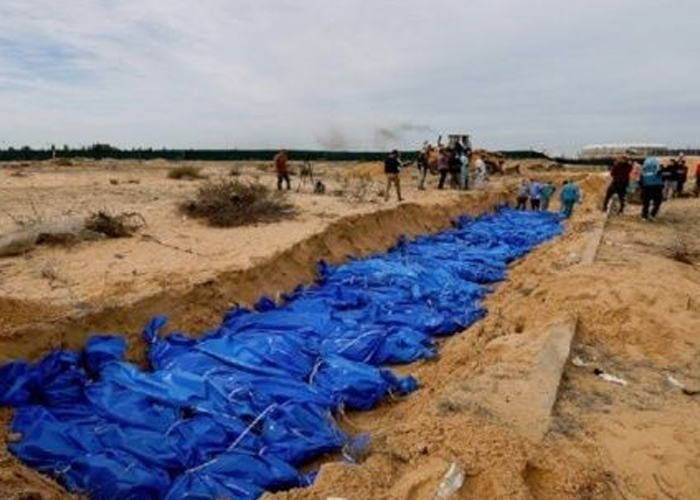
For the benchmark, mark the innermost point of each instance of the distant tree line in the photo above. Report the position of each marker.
(103, 151)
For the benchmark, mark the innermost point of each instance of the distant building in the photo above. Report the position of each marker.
(607, 150)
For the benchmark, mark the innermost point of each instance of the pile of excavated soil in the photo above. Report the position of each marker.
(638, 319)
(417, 439)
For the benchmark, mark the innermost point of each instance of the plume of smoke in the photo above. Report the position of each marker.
(333, 139)
(388, 136)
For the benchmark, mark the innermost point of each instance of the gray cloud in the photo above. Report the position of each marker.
(543, 73)
(333, 139)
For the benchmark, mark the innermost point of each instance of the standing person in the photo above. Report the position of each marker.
(620, 173)
(697, 180)
(546, 192)
(306, 174)
(652, 185)
(535, 194)
(481, 172)
(392, 169)
(523, 195)
(669, 176)
(443, 166)
(635, 174)
(682, 174)
(455, 168)
(423, 164)
(282, 167)
(464, 170)
(570, 195)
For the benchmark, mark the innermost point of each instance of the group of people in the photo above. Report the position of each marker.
(539, 195)
(451, 162)
(458, 164)
(655, 181)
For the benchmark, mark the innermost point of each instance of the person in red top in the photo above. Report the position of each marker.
(282, 167)
(697, 180)
(620, 173)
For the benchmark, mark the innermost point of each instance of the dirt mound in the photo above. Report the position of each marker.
(494, 161)
(412, 460)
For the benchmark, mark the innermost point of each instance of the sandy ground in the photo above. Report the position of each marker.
(174, 255)
(637, 316)
(171, 250)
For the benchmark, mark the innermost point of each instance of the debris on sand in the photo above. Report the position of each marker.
(609, 378)
(122, 225)
(687, 390)
(70, 231)
(451, 482)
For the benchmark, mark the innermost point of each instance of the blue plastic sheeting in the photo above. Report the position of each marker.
(237, 411)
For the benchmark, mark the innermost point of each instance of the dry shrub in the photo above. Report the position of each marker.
(230, 203)
(121, 225)
(186, 172)
(680, 251)
(358, 190)
(63, 162)
(235, 171)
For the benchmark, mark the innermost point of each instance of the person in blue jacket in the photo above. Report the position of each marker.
(652, 186)
(569, 196)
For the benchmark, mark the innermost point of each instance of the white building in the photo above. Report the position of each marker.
(608, 150)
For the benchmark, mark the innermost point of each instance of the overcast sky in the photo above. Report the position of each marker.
(548, 74)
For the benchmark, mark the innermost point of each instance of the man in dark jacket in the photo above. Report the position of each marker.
(392, 169)
(669, 174)
(682, 174)
(620, 173)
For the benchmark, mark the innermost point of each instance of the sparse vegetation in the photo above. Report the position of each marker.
(122, 225)
(359, 190)
(29, 219)
(186, 172)
(680, 251)
(230, 203)
(235, 171)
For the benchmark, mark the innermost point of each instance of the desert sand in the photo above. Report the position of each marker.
(627, 289)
